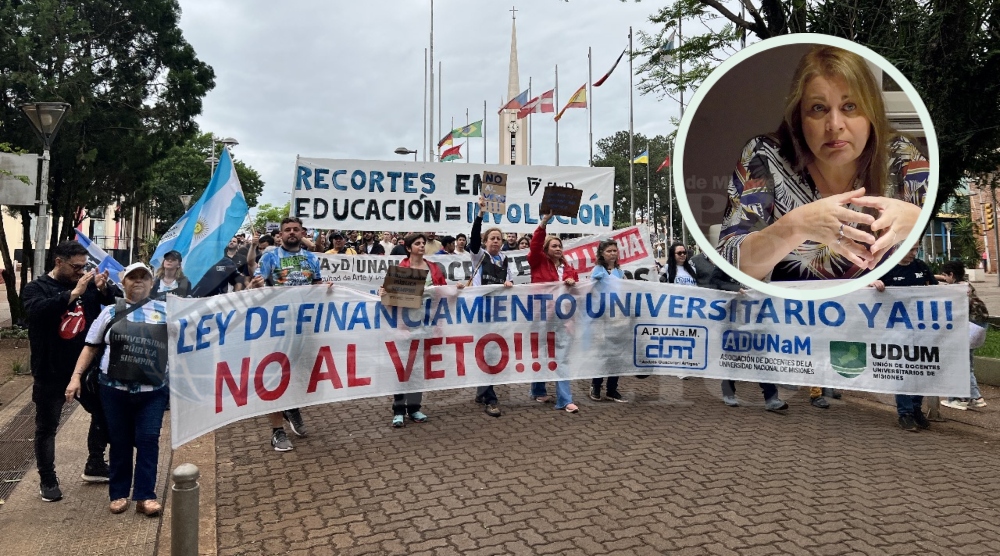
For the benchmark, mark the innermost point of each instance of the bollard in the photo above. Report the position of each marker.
(184, 511)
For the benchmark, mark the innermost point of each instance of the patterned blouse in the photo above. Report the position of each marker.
(765, 187)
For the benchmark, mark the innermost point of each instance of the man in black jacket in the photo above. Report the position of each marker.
(61, 305)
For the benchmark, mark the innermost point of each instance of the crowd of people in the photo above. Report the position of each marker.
(83, 330)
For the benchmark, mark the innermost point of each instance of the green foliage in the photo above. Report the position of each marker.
(270, 213)
(14, 333)
(613, 152)
(949, 51)
(964, 246)
(134, 83)
(183, 172)
(992, 346)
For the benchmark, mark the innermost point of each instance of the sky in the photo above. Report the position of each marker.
(338, 79)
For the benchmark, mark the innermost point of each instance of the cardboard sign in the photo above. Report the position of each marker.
(404, 287)
(494, 192)
(562, 201)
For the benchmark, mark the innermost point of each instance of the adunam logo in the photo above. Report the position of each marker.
(849, 359)
(671, 346)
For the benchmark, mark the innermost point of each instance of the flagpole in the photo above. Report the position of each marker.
(440, 87)
(425, 150)
(467, 151)
(590, 104)
(430, 120)
(648, 183)
(557, 121)
(670, 193)
(531, 131)
(631, 148)
(484, 132)
(680, 62)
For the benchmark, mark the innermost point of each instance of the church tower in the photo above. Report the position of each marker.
(513, 133)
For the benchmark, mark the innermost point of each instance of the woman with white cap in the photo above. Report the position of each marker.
(131, 339)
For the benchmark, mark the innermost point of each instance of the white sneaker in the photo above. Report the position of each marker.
(978, 402)
(955, 404)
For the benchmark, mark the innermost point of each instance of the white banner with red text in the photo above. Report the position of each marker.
(260, 351)
(367, 272)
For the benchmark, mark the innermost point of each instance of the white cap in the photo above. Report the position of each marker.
(132, 268)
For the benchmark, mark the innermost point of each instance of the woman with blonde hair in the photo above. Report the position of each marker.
(834, 190)
(170, 278)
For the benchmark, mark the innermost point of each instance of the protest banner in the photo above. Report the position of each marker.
(367, 272)
(409, 196)
(260, 351)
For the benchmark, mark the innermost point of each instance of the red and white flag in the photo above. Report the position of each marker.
(543, 103)
(601, 81)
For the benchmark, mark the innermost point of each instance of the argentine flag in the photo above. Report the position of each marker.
(101, 258)
(202, 234)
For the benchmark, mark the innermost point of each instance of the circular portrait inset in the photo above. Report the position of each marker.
(810, 163)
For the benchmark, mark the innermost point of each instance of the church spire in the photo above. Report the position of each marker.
(513, 86)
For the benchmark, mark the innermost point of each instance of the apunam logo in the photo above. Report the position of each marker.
(670, 346)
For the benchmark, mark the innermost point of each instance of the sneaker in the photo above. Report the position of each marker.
(615, 397)
(294, 418)
(907, 423)
(731, 401)
(50, 493)
(978, 402)
(775, 404)
(280, 441)
(595, 393)
(493, 410)
(418, 417)
(398, 421)
(820, 402)
(921, 420)
(955, 404)
(96, 472)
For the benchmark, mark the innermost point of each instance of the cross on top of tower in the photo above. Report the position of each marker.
(513, 12)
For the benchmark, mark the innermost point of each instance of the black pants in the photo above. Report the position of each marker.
(49, 399)
(406, 404)
(769, 390)
(612, 383)
(486, 394)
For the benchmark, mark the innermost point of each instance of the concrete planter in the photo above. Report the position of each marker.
(987, 370)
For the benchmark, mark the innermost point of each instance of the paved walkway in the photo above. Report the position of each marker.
(672, 472)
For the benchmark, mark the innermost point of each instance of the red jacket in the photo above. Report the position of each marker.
(437, 277)
(542, 269)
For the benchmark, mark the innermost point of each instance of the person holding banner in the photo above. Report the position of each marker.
(953, 272)
(834, 190)
(607, 269)
(547, 264)
(287, 265)
(490, 266)
(130, 337)
(170, 277)
(409, 404)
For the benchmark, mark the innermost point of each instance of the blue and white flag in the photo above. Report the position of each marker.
(100, 258)
(202, 234)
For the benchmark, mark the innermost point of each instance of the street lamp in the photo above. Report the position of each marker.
(45, 118)
(226, 142)
(403, 151)
(186, 201)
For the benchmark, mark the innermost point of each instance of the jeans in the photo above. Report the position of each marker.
(612, 383)
(134, 421)
(487, 394)
(49, 399)
(403, 404)
(564, 396)
(769, 390)
(974, 393)
(908, 405)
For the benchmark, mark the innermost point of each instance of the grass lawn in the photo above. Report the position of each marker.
(992, 346)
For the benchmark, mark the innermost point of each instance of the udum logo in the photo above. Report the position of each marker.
(849, 359)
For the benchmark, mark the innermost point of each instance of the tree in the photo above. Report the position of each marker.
(270, 213)
(134, 83)
(949, 51)
(613, 152)
(183, 172)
